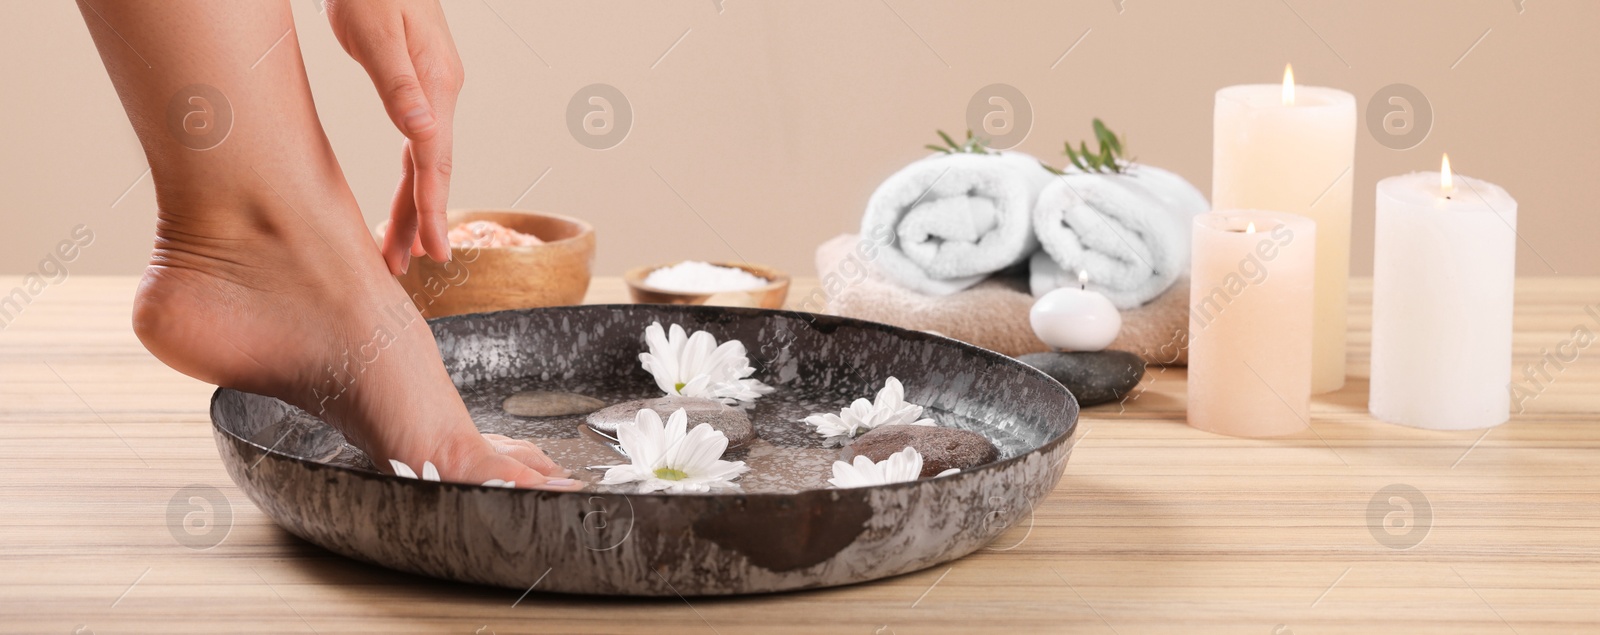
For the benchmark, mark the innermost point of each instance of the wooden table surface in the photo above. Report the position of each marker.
(1155, 527)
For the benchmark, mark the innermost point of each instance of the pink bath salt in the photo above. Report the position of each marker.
(482, 233)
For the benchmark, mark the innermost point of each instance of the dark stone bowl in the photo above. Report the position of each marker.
(666, 544)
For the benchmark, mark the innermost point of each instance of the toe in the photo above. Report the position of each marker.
(508, 470)
(527, 453)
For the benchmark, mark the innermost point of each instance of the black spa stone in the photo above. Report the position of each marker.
(1093, 377)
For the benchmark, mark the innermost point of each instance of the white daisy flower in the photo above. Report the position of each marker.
(863, 416)
(429, 472)
(696, 366)
(666, 457)
(902, 466)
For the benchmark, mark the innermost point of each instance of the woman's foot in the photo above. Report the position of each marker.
(264, 277)
(292, 300)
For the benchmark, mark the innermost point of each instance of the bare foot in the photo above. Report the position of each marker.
(264, 277)
(293, 300)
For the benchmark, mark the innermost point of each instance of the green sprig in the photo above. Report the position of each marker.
(1107, 161)
(973, 145)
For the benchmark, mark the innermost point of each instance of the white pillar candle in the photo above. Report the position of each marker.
(1443, 274)
(1292, 149)
(1250, 320)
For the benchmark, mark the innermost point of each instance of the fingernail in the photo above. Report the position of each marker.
(561, 482)
(418, 120)
(405, 263)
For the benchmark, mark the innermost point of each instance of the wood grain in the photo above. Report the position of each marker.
(1156, 527)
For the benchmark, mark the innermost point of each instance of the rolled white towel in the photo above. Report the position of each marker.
(955, 219)
(1129, 231)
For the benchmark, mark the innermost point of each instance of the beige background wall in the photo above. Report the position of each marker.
(773, 121)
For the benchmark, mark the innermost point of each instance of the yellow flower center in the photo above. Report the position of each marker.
(678, 387)
(669, 474)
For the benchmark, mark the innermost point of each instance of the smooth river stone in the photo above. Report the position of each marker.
(941, 448)
(726, 419)
(1094, 378)
(543, 403)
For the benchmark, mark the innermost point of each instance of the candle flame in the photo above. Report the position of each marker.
(1288, 84)
(1250, 229)
(1446, 181)
(1083, 278)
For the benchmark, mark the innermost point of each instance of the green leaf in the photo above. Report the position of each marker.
(972, 145)
(1077, 161)
(1107, 160)
(1106, 137)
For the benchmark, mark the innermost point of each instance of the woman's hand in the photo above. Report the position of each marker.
(406, 48)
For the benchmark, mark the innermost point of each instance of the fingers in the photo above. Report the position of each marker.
(382, 49)
(402, 233)
(431, 157)
(413, 62)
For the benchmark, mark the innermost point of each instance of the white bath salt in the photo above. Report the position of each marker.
(693, 276)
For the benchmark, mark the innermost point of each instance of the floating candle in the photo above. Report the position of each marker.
(1075, 319)
(1292, 148)
(1443, 274)
(1250, 323)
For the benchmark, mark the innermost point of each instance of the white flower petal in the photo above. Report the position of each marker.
(902, 466)
(429, 472)
(645, 440)
(905, 465)
(677, 423)
(892, 396)
(698, 354)
(625, 474)
(698, 386)
(700, 450)
(401, 469)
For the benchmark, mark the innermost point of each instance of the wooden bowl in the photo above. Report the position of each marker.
(769, 296)
(479, 280)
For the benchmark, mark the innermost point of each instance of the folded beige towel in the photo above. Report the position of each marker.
(992, 314)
